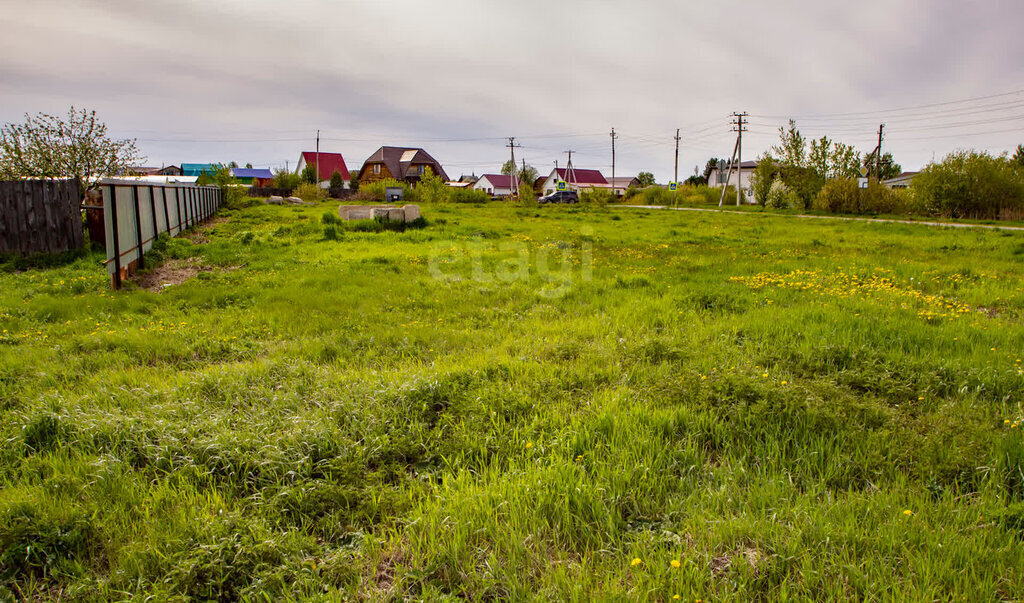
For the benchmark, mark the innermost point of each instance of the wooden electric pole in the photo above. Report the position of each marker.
(878, 154)
(675, 177)
(318, 157)
(512, 149)
(740, 128)
(614, 136)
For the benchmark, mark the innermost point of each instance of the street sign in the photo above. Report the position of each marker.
(862, 182)
(672, 186)
(561, 186)
(864, 172)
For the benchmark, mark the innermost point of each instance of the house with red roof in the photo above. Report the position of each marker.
(496, 185)
(575, 179)
(328, 162)
(400, 163)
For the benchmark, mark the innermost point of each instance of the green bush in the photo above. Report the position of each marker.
(839, 196)
(877, 199)
(468, 195)
(781, 196)
(330, 217)
(309, 192)
(968, 184)
(287, 180)
(374, 191)
(597, 196)
(431, 188)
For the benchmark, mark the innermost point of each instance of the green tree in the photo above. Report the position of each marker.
(309, 174)
(233, 164)
(761, 181)
(337, 181)
(431, 188)
(353, 183)
(792, 148)
(820, 156)
(527, 174)
(890, 169)
(1018, 156)
(844, 161)
(645, 179)
(286, 180)
(78, 147)
(711, 165)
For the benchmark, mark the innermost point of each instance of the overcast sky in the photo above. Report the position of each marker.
(251, 81)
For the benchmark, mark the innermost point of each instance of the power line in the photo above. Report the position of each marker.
(896, 110)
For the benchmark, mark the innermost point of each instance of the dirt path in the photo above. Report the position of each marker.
(882, 220)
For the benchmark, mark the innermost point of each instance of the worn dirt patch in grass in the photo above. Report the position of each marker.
(170, 273)
(198, 234)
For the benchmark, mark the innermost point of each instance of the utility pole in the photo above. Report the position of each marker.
(614, 136)
(675, 177)
(739, 127)
(570, 177)
(318, 157)
(512, 149)
(878, 154)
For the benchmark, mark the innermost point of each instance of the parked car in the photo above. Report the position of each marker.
(560, 197)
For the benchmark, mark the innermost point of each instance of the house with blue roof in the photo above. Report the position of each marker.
(255, 176)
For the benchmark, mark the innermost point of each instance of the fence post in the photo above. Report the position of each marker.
(167, 215)
(116, 241)
(138, 223)
(152, 207)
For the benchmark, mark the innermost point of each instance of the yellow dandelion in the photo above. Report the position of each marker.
(675, 563)
(908, 512)
(529, 444)
(784, 382)
(635, 562)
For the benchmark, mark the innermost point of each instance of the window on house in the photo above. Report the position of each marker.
(376, 168)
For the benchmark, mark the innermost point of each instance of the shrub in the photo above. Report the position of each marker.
(597, 196)
(431, 188)
(877, 199)
(330, 218)
(468, 195)
(839, 196)
(330, 232)
(308, 174)
(968, 184)
(374, 191)
(287, 180)
(310, 192)
(781, 196)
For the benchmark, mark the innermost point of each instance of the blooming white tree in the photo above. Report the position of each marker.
(47, 146)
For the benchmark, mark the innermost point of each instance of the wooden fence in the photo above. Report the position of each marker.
(40, 216)
(135, 214)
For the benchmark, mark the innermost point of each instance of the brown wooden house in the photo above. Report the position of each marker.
(400, 163)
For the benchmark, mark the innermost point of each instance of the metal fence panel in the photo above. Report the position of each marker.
(136, 214)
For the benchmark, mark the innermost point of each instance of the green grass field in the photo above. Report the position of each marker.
(518, 404)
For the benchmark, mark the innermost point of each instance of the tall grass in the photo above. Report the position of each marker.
(788, 410)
